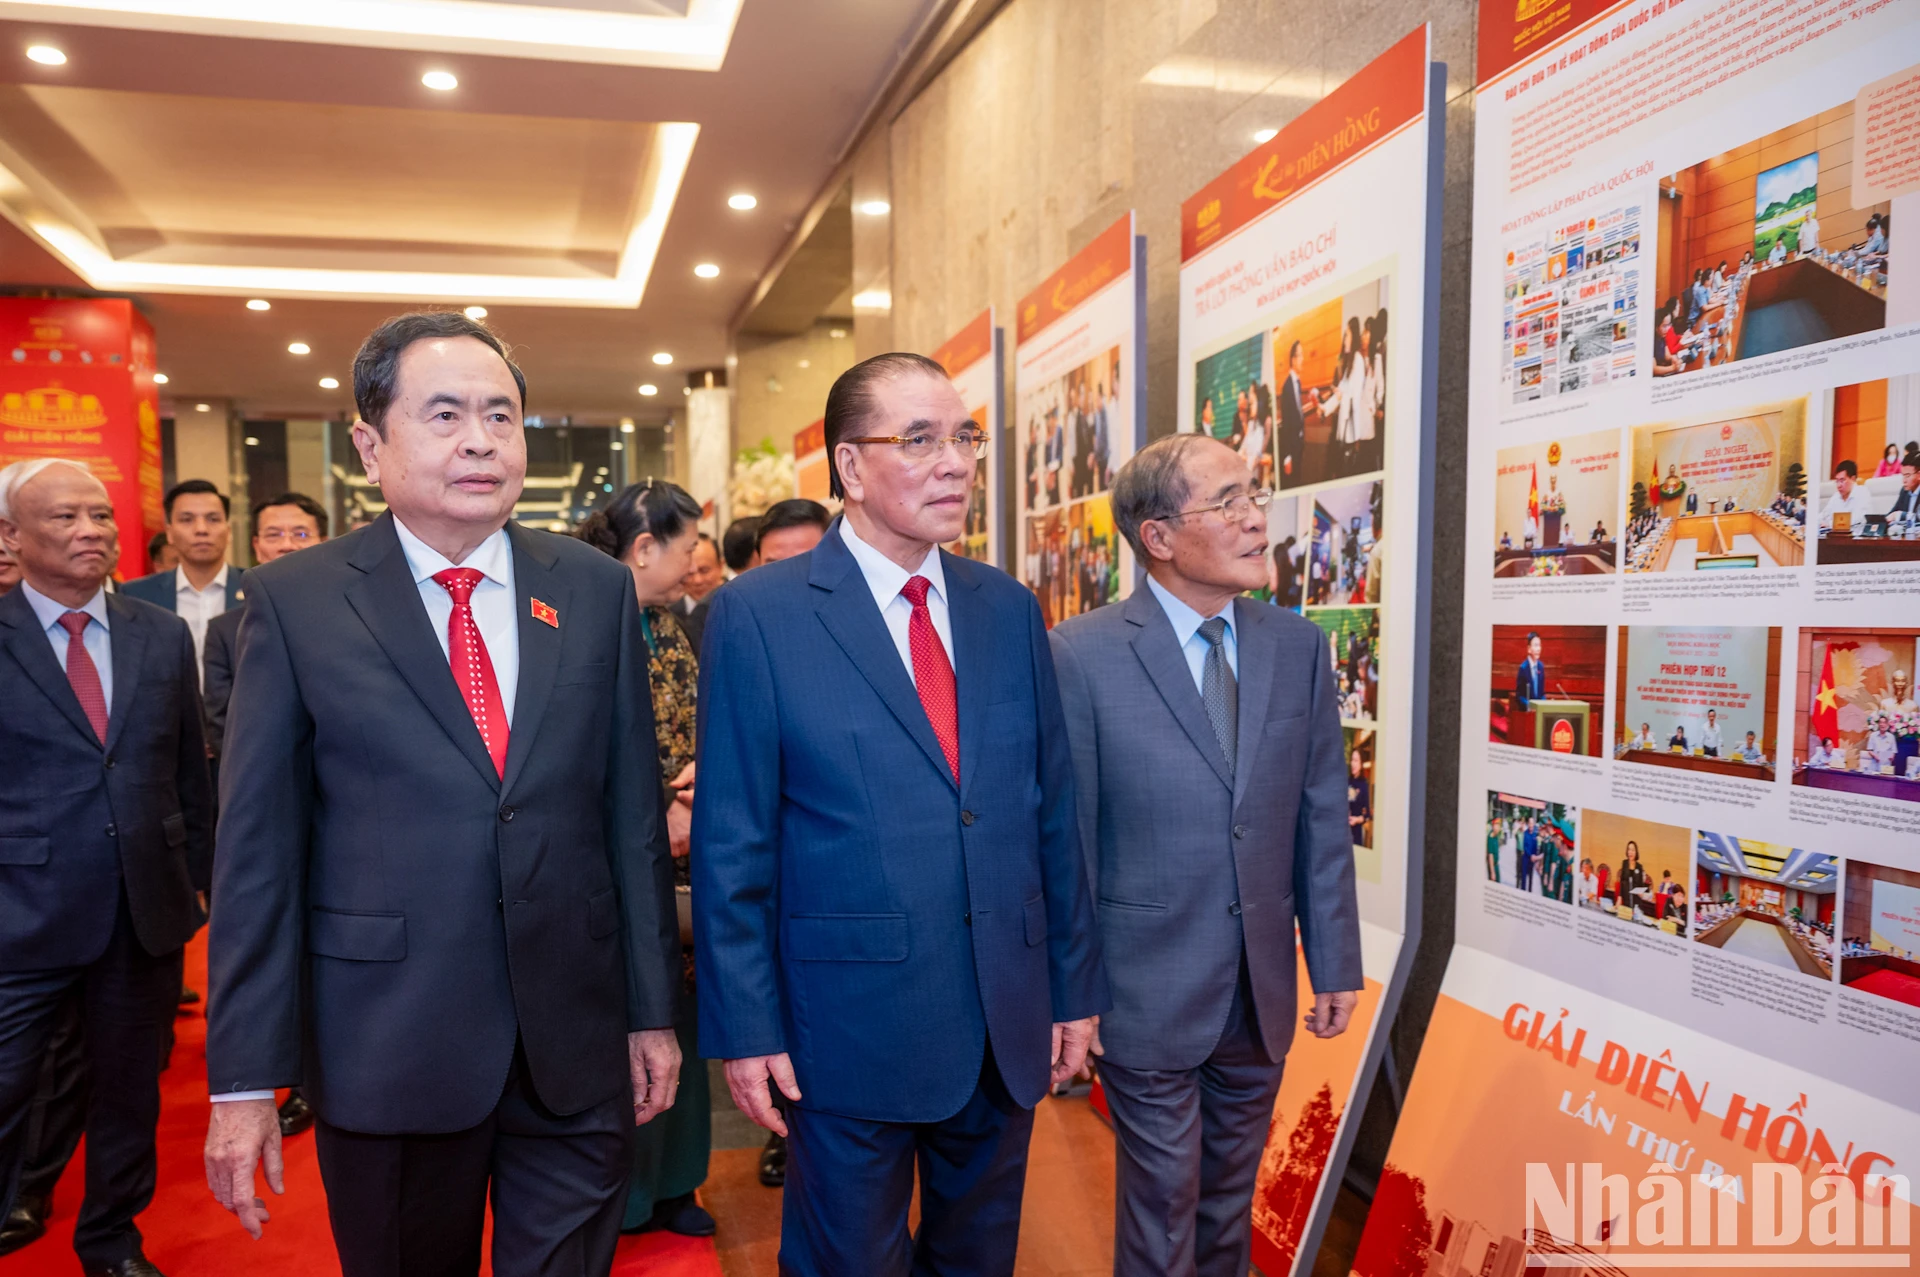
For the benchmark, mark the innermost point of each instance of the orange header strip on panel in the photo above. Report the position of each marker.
(1094, 267)
(968, 346)
(1375, 103)
(811, 438)
(1512, 31)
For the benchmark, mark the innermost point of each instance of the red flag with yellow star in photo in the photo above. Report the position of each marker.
(1825, 718)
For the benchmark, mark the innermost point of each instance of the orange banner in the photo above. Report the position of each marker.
(1512, 31)
(1377, 102)
(968, 346)
(1109, 257)
(76, 381)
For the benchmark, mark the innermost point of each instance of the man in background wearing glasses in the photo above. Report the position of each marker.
(894, 936)
(1208, 759)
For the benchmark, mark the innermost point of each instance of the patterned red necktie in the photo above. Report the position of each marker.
(933, 673)
(472, 669)
(82, 675)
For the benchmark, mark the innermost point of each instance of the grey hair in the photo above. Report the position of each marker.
(1153, 485)
(21, 473)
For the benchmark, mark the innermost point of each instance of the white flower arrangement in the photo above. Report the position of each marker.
(761, 476)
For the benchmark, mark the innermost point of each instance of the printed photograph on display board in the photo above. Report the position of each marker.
(1880, 932)
(1361, 780)
(972, 360)
(1329, 413)
(1868, 503)
(1288, 544)
(1068, 424)
(1765, 902)
(1699, 698)
(1639, 870)
(1074, 559)
(1344, 561)
(1856, 726)
(1234, 402)
(1722, 494)
(1531, 844)
(1557, 507)
(1572, 299)
(1548, 688)
(1766, 251)
(1353, 648)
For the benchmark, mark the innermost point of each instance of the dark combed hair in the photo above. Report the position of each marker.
(376, 368)
(794, 512)
(186, 486)
(850, 403)
(155, 544)
(307, 506)
(739, 542)
(666, 510)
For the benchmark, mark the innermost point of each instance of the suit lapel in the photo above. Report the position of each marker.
(388, 603)
(129, 642)
(1153, 643)
(1255, 636)
(533, 578)
(972, 647)
(848, 612)
(27, 643)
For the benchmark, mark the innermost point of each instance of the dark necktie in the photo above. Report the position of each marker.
(1220, 691)
(82, 675)
(472, 668)
(933, 674)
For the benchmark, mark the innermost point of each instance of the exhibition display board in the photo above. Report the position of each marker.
(1079, 413)
(1307, 288)
(1681, 1021)
(973, 358)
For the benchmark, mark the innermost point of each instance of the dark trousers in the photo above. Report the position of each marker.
(850, 1183)
(1187, 1151)
(57, 1118)
(127, 1000)
(414, 1205)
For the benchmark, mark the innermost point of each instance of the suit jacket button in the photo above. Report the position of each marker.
(1239, 831)
(968, 919)
(109, 762)
(966, 818)
(112, 832)
(1234, 908)
(506, 813)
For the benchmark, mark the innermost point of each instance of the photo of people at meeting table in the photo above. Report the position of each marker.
(1634, 870)
(1549, 686)
(1856, 725)
(1797, 266)
(1556, 506)
(1765, 902)
(1698, 698)
(1869, 502)
(1531, 844)
(1723, 493)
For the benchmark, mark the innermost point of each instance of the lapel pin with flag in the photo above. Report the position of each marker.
(545, 612)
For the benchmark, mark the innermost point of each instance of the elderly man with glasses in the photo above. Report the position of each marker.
(1209, 764)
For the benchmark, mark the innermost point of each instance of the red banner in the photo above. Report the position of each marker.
(968, 346)
(1512, 31)
(1109, 257)
(1379, 100)
(76, 381)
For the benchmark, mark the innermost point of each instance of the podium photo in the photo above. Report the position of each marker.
(1558, 725)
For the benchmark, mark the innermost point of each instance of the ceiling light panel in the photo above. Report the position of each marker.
(441, 81)
(46, 55)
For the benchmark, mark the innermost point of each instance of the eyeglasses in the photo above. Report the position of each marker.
(925, 447)
(274, 536)
(1234, 508)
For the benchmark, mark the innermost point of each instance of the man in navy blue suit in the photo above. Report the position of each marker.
(202, 587)
(1530, 680)
(892, 915)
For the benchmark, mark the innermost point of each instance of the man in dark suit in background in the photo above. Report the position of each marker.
(442, 869)
(1530, 679)
(1191, 697)
(202, 586)
(701, 580)
(1907, 500)
(105, 837)
(1292, 444)
(893, 926)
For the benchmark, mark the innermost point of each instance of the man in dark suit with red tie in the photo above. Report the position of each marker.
(891, 908)
(445, 895)
(106, 822)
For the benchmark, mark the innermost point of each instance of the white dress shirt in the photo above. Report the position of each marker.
(1186, 629)
(1856, 503)
(1710, 737)
(493, 608)
(886, 579)
(197, 607)
(96, 638)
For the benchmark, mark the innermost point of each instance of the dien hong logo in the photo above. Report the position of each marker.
(1584, 1217)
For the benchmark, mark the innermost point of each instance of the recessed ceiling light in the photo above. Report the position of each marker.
(259, 303)
(475, 312)
(706, 270)
(876, 208)
(159, 379)
(836, 333)
(806, 363)
(440, 81)
(662, 358)
(252, 442)
(203, 407)
(46, 55)
(626, 425)
(873, 299)
(741, 200)
(329, 383)
(1266, 135)
(299, 348)
(648, 390)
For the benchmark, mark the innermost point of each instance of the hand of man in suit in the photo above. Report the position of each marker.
(243, 1134)
(653, 1060)
(680, 813)
(1331, 1012)
(1070, 1043)
(747, 1079)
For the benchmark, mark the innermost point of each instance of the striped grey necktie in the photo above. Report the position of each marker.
(1220, 691)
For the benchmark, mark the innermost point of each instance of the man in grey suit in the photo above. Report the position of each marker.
(1208, 762)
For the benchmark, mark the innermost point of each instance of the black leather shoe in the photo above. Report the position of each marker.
(188, 996)
(773, 1162)
(25, 1225)
(296, 1115)
(138, 1266)
(684, 1216)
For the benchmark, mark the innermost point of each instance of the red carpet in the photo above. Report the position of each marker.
(1892, 985)
(188, 1235)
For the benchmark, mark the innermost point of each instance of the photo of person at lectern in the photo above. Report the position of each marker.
(1548, 687)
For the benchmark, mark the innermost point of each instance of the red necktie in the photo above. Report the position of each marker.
(472, 669)
(82, 676)
(933, 673)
